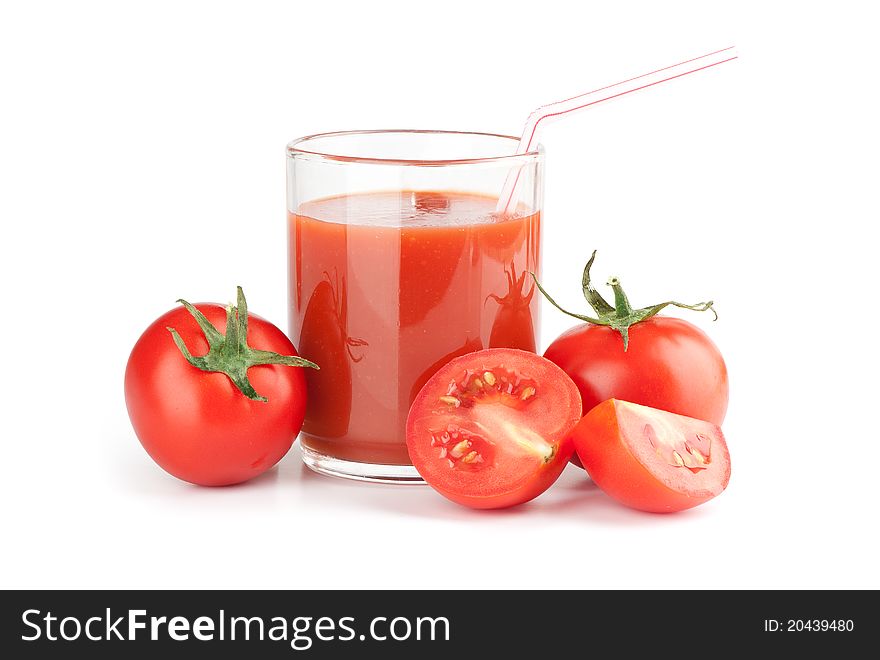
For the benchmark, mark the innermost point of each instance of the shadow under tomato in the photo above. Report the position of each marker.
(573, 497)
(145, 477)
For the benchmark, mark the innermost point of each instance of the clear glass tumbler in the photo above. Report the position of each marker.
(399, 262)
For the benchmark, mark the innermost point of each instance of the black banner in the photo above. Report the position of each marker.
(334, 624)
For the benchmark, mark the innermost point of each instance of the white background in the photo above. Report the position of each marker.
(142, 159)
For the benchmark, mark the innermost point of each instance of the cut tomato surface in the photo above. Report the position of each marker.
(490, 429)
(650, 459)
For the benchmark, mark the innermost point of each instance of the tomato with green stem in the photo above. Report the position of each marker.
(210, 408)
(633, 354)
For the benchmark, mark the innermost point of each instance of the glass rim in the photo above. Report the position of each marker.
(295, 148)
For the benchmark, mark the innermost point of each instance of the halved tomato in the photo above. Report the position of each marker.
(650, 459)
(489, 429)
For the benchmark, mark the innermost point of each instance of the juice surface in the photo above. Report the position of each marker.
(386, 288)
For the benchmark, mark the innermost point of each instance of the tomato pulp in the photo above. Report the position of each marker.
(490, 429)
(385, 289)
(651, 459)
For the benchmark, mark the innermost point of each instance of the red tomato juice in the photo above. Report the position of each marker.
(386, 288)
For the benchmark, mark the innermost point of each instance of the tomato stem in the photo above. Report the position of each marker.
(230, 354)
(621, 316)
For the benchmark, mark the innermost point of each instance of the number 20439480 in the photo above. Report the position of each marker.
(808, 625)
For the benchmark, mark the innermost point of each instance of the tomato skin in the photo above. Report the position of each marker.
(670, 364)
(510, 475)
(599, 441)
(197, 425)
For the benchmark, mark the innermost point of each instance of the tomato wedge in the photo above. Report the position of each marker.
(490, 429)
(650, 459)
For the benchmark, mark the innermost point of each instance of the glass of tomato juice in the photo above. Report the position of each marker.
(399, 262)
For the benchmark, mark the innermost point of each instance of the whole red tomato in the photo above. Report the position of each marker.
(209, 408)
(669, 364)
(632, 355)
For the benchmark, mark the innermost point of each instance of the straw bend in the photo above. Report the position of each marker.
(606, 93)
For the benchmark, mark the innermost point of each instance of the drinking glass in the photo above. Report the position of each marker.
(398, 263)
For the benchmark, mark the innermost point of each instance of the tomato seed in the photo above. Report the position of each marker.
(697, 454)
(527, 393)
(704, 443)
(459, 449)
(471, 457)
(489, 377)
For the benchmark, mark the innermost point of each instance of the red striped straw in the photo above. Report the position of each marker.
(588, 99)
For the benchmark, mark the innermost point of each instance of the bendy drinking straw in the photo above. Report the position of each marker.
(507, 199)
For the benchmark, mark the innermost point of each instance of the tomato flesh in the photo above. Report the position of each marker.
(489, 429)
(650, 459)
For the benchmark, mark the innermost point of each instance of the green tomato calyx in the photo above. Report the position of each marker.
(230, 354)
(621, 315)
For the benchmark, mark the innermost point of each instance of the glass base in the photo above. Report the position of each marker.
(372, 472)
